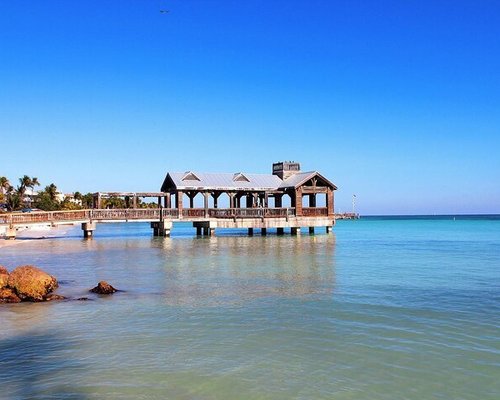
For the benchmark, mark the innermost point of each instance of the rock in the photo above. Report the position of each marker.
(31, 283)
(52, 297)
(83, 299)
(103, 287)
(4, 276)
(8, 296)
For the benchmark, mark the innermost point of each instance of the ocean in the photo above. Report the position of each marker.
(383, 308)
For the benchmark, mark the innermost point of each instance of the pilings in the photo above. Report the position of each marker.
(88, 229)
(10, 233)
(205, 228)
(161, 228)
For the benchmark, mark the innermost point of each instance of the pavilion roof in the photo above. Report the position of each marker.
(239, 181)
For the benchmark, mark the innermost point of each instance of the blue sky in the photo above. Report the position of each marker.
(395, 101)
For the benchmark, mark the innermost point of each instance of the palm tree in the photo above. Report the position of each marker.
(51, 190)
(24, 183)
(4, 184)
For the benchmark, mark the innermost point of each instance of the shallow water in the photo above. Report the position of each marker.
(384, 308)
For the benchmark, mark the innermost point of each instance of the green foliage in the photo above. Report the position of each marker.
(45, 202)
(87, 200)
(69, 204)
(113, 202)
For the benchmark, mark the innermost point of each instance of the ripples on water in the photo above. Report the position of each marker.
(382, 309)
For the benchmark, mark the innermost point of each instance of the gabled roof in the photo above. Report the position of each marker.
(220, 181)
(300, 178)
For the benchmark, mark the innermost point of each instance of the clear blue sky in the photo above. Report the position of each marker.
(395, 101)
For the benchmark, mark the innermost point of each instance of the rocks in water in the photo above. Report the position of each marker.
(31, 283)
(7, 295)
(4, 276)
(103, 287)
(53, 296)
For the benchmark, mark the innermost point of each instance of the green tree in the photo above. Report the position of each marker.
(4, 186)
(88, 200)
(47, 199)
(113, 202)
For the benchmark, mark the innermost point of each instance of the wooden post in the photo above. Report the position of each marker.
(312, 200)
(330, 202)
(278, 200)
(298, 202)
(206, 195)
(178, 202)
(215, 195)
(231, 200)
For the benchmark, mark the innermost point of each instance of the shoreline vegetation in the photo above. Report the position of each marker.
(23, 197)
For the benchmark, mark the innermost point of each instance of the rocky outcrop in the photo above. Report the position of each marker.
(4, 276)
(103, 287)
(7, 295)
(31, 283)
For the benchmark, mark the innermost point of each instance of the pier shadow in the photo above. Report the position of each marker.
(36, 365)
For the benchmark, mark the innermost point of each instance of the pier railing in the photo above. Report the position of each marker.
(314, 211)
(131, 214)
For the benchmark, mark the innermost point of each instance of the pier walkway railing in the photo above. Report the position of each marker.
(150, 214)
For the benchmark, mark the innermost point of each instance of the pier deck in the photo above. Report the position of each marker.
(162, 219)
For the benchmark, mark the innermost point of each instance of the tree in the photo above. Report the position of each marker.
(51, 190)
(26, 183)
(47, 199)
(88, 200)
(4, 186)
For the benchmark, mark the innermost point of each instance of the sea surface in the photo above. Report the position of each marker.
(383, 308)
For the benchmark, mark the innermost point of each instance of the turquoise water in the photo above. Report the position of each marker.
(385, 308)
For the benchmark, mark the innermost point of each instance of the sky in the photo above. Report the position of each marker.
(397, 102)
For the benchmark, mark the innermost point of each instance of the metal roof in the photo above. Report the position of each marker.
(222, 181)
(190, 180)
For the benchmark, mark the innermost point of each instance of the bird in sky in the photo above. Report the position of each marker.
(164, 11)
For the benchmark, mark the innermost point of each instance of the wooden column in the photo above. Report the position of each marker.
(191, 196)
(278, 200)
(135, 201)
(206, 195)
(312, 200)
(330, 202)
(215, 195)
(231, 200)
(178, 201)
(167, 200)
(298, 202)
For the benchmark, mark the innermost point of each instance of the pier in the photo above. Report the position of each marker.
(286, 199)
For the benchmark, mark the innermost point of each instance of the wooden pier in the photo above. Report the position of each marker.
(204, 220)
(286, 199)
